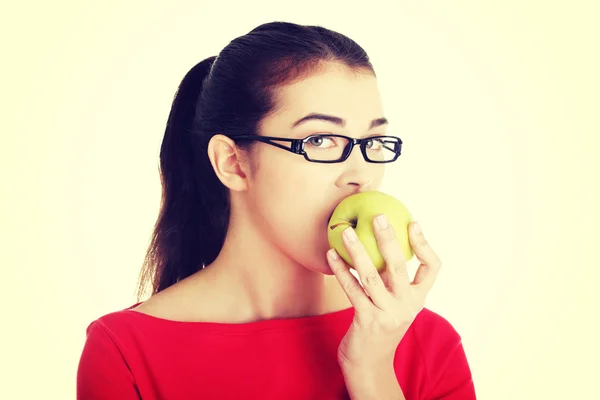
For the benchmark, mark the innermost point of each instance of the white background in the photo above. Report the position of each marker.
(497, 103)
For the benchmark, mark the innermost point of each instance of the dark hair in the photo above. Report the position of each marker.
(229, 94)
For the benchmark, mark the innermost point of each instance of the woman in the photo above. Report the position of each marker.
(247, 302)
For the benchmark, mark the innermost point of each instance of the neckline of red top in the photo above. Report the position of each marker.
(244, 327)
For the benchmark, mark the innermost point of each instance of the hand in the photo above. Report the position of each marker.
(387, 304)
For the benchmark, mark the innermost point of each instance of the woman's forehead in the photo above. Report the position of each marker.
(351, 96)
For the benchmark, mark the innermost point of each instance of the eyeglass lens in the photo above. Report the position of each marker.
(331, 148)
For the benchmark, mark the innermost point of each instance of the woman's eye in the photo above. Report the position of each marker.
(320, 141)
(374, 144)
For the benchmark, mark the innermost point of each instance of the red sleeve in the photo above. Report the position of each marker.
(455, 381)
(103, 372)
(448, 371)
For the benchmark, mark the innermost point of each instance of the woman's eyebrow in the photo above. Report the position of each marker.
(336, 120)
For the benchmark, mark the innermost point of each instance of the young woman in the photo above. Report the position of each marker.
(247, 301)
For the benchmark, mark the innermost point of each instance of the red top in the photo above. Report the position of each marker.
(131, 355)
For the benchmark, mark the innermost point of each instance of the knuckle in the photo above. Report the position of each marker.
(352, 287)
(387, 236)
(372, 278)
(422, 242)
(339, 269)
(399, 267)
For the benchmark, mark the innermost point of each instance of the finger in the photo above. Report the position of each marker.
(430, 262)
(369, 276)
(395, 263)
(350, 285)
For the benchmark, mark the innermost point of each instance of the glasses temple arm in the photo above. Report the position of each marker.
(296, 148)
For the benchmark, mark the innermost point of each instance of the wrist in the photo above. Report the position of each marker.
(377, 369)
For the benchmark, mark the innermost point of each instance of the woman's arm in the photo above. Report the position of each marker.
(103, 373)
(454, 381)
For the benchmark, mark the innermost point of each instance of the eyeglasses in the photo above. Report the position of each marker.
(335, 148)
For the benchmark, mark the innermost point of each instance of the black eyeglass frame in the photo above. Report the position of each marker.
(297, 146)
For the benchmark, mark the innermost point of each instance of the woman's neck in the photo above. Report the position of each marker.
(263, 283)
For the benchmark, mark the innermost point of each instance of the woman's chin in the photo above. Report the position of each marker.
(324, 269)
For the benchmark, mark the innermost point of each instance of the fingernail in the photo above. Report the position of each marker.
(350, 235)
(382, 221)
(416, 228)
(332, 254)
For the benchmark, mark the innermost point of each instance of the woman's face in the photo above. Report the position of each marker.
(292, 198)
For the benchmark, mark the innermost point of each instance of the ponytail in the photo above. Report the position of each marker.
(194, 211)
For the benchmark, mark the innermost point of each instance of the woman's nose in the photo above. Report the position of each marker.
(357, 172)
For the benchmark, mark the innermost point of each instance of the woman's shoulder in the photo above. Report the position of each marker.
(433, 332)
(431, 323)
(113, 321)
(157, 310)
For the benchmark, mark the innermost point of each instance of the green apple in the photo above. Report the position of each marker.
(358, 211)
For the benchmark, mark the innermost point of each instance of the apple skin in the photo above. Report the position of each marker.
(358, 211)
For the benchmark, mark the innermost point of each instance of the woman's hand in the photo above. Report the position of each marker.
(387, 304)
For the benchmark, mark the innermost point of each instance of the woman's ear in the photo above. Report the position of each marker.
(228, 162)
